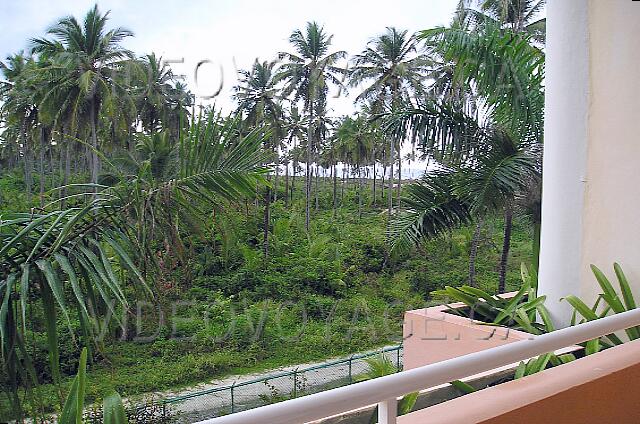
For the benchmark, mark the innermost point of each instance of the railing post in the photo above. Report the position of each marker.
(398, 358)
(295, 382)
(388, 411)
(233, 403)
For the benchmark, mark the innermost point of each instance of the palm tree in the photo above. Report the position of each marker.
(92, 58)
(392, 70)
(258, 97)
(308, 73)
(497, 151)
(519, 16)
(19, 106)
(181, 100)
(501, 170)
(153, 91)
(296, 127)
(358, 138)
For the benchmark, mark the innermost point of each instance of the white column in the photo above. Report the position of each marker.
(565, 152)
(591, 178)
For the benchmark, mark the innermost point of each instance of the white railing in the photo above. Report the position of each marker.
(386, 390)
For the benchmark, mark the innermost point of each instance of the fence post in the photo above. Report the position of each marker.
(164, 410)
(295, 382)
(350, 374)
(233, 403)
(398, 358)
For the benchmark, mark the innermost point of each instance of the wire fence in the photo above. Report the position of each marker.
(274, 388)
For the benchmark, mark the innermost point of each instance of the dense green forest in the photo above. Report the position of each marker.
(178, 244)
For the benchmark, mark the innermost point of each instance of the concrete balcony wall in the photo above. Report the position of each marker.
(432, 335)
(600, 388)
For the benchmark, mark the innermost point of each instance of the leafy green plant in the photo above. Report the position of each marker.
(72, 411)
(530, 367)
(609, 301)
(517, 312)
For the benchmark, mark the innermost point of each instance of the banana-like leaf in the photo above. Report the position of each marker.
(7, 286)
(463, 387)
(627, 295)
(113, 410)
(24, 294)
(581, 308)
(407, 403)
(592, 346)
(51, 276)
(74, 404)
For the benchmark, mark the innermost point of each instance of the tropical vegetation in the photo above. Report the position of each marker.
(174, 242)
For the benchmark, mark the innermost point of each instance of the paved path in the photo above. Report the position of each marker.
(247, 396)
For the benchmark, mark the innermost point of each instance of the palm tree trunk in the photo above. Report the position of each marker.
(384, 171)
(374, 177)
(390, 191)
(286, 185)
(536, 246)
(394, 104)
(95, 164)
(275, 183)
(399, 178)
(335, 189)
(316, 189)
(359, 192)
(266, 221)
(28, 179)
(294, 170)
(41, 165)
(342, 184)
(506, 245)
(308, 167)
(473, 253)
(66, 173)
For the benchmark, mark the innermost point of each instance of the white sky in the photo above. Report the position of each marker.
(231, 34)
(226, 31)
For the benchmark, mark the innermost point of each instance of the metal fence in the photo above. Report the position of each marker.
(274, 388)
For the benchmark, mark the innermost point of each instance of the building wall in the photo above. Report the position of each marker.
(611, 216)
(591, 178)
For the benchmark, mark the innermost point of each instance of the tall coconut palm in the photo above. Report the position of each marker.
(258, 96)
(308, 72)
(92, 59)
(153, 91)
(501, 170)
(181, 100)
(391, 70)
(519, 16)
(19, 106)
(296, 128)
(507, 133)
(358, 137)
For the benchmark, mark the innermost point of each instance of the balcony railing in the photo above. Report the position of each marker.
(386, 390)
